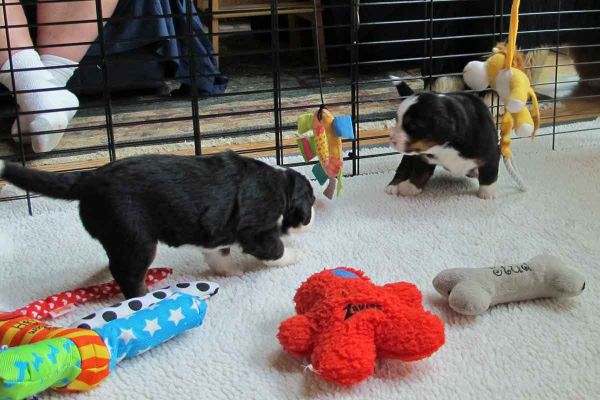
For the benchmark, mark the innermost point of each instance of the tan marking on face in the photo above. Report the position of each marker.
(420, 146)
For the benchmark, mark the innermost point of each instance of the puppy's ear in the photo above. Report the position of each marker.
(302, 198)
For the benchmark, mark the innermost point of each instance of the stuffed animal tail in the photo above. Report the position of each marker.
(535, 112)
(514, 174)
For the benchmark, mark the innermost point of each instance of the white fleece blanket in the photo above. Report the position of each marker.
(535, 350)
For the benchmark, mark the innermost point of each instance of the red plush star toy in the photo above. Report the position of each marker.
(345, 321)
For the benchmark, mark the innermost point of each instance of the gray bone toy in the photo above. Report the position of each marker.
(471, 291)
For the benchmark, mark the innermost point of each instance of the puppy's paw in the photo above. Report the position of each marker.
(289, 257)
(392, 190)
(487, 192)
(221, 264)
(235, 272)
(405, 188)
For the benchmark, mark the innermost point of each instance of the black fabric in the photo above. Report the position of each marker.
(140, 37)
(457, 40)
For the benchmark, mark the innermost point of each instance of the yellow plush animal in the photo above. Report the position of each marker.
(503, 72)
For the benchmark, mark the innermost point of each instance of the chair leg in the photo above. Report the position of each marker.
(215, 36)
(294, 36)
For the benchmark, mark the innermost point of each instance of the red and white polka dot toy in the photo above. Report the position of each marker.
(59, 304)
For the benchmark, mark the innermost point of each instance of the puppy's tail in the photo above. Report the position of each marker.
(514, 174)
(402, 87)
(51, 184)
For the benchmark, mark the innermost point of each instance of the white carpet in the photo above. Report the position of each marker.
(535, 350)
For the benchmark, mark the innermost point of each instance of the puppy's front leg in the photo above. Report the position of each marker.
(219, 261)
(488, 177)
(269, 248)
(402, 174)
(411, 177)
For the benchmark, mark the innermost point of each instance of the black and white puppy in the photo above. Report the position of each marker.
(212, 202)
(454, 130)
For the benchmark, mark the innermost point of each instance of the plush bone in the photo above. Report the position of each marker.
(471, 291)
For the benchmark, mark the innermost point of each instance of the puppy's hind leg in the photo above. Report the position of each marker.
(128, 263)
(269, 248)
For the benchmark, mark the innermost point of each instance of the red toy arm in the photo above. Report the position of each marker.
(406, 293)
(345, 354)
(409, 335)
(296, 335)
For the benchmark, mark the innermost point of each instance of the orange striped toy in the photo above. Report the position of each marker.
(95, 357)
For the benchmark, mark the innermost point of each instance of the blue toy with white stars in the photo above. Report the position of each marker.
(145, 329)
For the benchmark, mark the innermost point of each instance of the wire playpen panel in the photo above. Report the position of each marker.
(199, 77)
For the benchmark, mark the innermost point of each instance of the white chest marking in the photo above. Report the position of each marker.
(451, 159)
(503, 84)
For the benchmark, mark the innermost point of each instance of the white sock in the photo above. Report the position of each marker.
(63, 74)
(38, 101)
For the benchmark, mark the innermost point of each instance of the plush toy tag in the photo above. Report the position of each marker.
(339, 183)
(320, 173)
(305, 123)
(330, 190)
(342, 126)
(61, 311)
(306, 145)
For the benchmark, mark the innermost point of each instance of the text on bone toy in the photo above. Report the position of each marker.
(509, 269)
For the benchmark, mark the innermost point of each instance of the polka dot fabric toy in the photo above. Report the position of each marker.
(40, 356)
(201, 289)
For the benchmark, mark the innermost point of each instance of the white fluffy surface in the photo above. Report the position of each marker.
(536, 350)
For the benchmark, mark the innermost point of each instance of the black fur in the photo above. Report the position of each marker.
(212, 201)
(461, 121)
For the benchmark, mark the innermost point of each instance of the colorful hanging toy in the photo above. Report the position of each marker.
(320, 135)
(504, 72)
(35, 356)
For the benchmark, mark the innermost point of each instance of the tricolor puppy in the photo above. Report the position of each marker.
(454, 130)
(213, 202)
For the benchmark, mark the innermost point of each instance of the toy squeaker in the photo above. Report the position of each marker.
(471, 291)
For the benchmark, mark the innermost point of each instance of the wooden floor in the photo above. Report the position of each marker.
(574, 102)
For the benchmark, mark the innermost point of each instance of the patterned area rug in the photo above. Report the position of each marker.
(228, 119)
